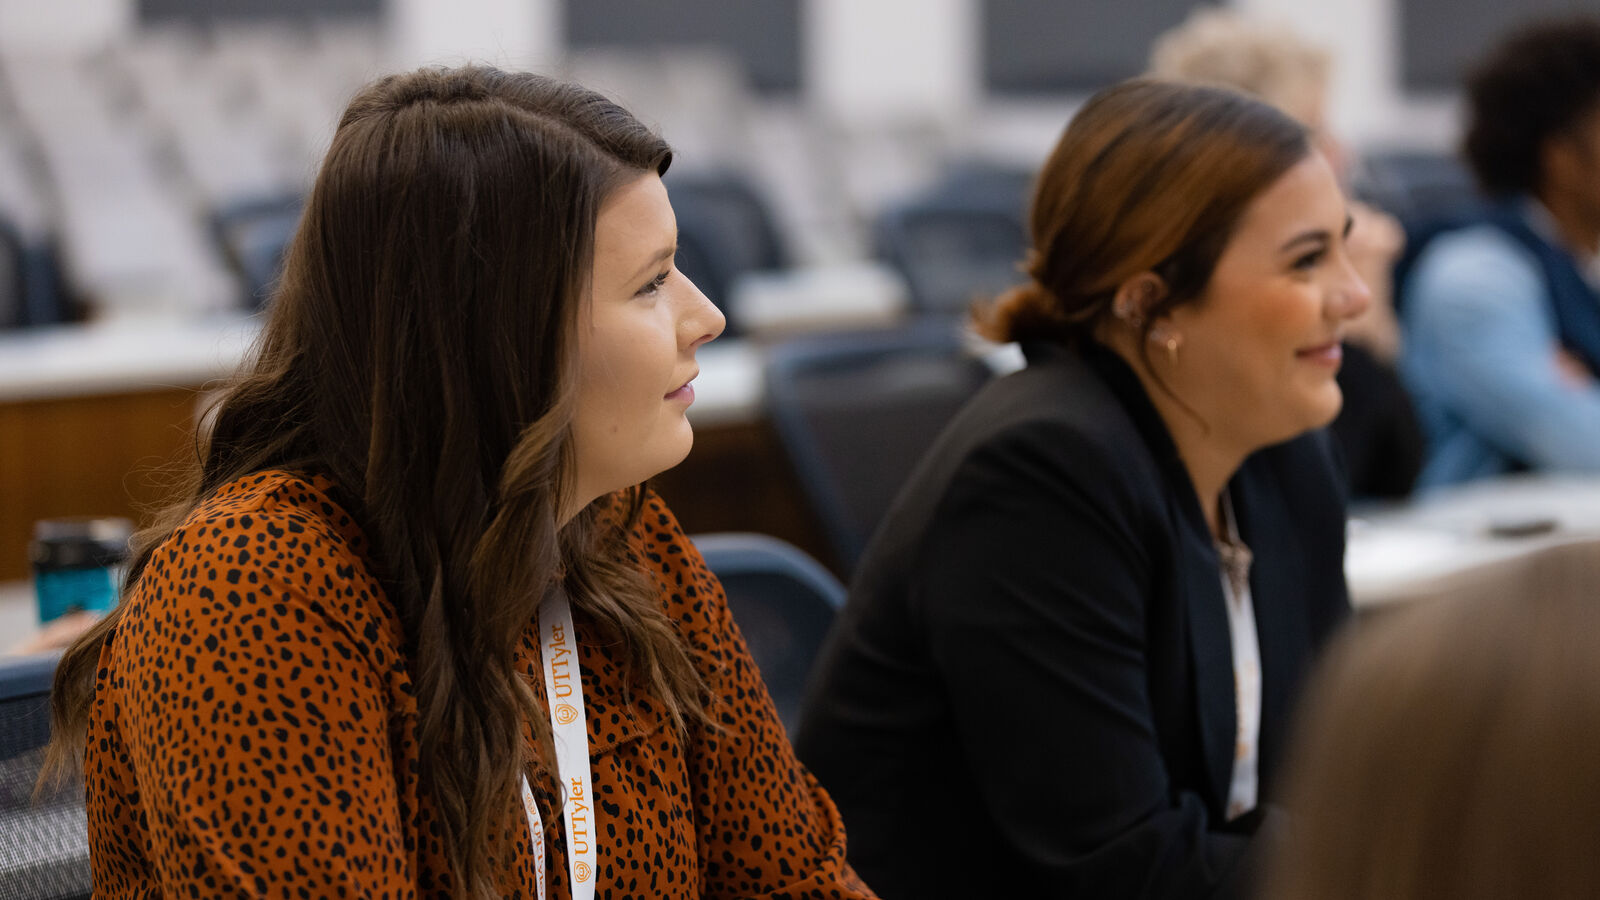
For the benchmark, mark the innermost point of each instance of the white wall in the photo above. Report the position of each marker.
(868, 61)
(523, 34)
(1367, 105)
(63, 24)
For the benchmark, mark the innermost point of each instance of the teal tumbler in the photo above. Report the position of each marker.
(77, 564)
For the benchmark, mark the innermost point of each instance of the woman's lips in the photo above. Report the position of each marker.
(1329, 354)
(685, 393)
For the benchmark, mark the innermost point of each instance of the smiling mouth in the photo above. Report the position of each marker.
(1331, 353)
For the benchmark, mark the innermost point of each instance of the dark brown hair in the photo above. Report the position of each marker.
(420, 351)
(1448, 748)
(1540, 82)
(1148, 176)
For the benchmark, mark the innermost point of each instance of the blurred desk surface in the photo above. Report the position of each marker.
(127, 357)
(120, 357)
(19, 614)
(1440, 546)
(1483, 536)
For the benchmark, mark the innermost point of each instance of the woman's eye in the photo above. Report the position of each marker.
(1310, 260)
(655, 283)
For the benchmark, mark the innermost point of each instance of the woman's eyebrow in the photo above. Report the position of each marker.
(665, 253)
(1309, 236)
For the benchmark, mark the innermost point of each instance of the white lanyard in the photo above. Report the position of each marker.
(563, 689)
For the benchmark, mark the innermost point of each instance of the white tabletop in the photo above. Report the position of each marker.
(731, 383)
(139, 355)
(1468, 537)
(19, 614)
(120, 356)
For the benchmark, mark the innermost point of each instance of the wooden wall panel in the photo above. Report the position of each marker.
(85, 456)
(106, 455)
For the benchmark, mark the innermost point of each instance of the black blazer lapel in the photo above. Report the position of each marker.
(1197, 576)
(1211, 649)
(1278, 589)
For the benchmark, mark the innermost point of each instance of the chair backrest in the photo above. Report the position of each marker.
(13, 299)
(783, 600)
(44, 843)
(856, 412)
(724, 230)
(1417, 186)
(254, 235)
(1007, 187)
(960, 241)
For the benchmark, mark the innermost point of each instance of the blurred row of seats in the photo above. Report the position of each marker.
(163, 174)
(124, 166)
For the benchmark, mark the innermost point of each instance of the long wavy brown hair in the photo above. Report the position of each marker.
(419, 350)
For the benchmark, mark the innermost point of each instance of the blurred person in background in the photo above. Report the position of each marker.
(1447, 750)
(1070, 650)
(414, 630)
(1377, 429)
(1501, 309)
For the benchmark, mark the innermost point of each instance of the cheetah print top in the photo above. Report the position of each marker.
(254, 733)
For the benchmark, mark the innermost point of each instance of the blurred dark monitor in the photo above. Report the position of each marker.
(1440, 40)
(153, 12)
(1050, 47)
(762, 34)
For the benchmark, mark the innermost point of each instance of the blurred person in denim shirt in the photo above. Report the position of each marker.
(1501, 310)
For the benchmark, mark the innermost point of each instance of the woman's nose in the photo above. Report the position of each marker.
(1354, 296)
(702, 321)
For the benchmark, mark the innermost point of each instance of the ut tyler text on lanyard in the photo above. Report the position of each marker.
(563, 689)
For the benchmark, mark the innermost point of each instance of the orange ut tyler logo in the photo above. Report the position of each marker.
(565, 714)
(583, 871)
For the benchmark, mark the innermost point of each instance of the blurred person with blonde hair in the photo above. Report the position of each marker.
(1448, 750)
(1269, 61)
(1378, 429)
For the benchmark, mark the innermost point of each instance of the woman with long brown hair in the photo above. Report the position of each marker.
(1069, 651)
(414, 630)
(1447, 749)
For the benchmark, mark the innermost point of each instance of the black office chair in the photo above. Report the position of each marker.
(46, 300)
(960, 241)
(253, 235)
(1417, 186)
(44, 843)
(855, 412)
(1006, 186)
(13, 289)
(783, 600)
(31, 292)
(724, 230)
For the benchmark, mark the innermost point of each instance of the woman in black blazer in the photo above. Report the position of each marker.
(1071, 649)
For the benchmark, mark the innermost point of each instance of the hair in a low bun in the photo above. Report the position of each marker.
(1150, 176)
(1029, 312)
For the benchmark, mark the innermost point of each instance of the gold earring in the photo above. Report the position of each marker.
(1168, 339)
